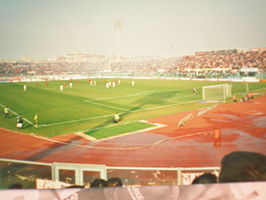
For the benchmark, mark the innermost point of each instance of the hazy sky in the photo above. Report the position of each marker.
(50, 28)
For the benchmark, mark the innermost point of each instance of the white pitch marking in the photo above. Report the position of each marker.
(76, 120)
(18, 115)
(109, 115)
(101, 104)
(158, 107)
(138, 93)
(172, 100)
(119, 97)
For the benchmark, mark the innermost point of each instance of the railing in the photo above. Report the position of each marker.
(25, 172)
(28, 172)
(114, 74)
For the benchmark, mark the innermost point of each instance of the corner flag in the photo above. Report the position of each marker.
(36, 120)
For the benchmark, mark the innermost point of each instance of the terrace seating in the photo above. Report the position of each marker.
(222, 62)
(185, 120)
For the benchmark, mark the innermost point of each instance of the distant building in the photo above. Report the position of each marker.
(79, 57)
(25, 59)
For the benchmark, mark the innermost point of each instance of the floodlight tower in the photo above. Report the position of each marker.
(117, 27)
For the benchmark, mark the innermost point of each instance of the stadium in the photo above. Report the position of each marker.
(159, 113)
(156, 123)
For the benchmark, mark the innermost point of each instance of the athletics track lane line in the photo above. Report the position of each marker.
(120, 148)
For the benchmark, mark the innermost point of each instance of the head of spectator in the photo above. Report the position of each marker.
(15, 186)
(205, 179)
(99, 183)
(75, 186)
(114, 182)
(243, 167)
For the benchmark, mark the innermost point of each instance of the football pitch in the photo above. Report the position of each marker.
(91, 108)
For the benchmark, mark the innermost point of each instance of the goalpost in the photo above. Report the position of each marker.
(216, 92)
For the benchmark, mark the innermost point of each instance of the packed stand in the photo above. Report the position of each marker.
(209, 64)
(226, 62)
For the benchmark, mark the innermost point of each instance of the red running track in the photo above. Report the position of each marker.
(242, 127)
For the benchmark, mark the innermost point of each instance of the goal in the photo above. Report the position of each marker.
(216, 92)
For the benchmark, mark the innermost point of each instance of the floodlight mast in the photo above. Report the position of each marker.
(117, 27)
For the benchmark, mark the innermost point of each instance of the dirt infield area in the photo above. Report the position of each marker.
(201, 141)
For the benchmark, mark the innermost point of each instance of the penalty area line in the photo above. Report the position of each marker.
(164, 106)
(172, 100)
(119, 97)
(109, 115)
(76, 120)
(101, 104)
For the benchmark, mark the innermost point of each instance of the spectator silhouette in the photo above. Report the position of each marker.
(99, 183)
(114, 182)
(15, 186)
(205, 179)
(243, 167)
(75, 186)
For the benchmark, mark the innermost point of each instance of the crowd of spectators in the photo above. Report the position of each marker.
(146, 65)
(248, 168)
(51, 68)
(224, 61)
(127, 66)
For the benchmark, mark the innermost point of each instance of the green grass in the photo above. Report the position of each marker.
(118, 130)
(86, 107)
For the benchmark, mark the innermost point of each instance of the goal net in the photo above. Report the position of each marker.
(216, 92)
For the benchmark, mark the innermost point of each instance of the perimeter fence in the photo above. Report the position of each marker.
(58, 175)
